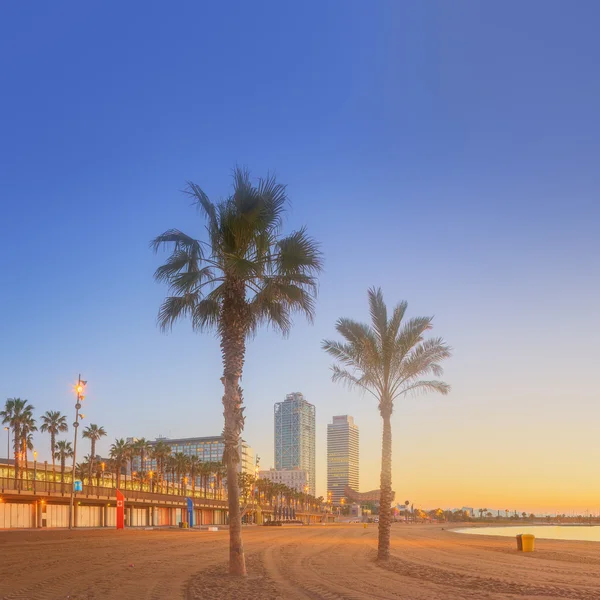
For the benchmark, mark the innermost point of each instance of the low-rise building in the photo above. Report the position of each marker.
(296, 479)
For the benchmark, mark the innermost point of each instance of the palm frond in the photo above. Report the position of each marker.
(298, 253)
(411, 334)
(352, 380)
(424, 359)
(347, 354)
(274, 196)
(427, 386)
(180, 240)
(176, 307)
(378, 312)
(206, 314)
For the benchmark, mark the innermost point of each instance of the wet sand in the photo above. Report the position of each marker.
(331, 562)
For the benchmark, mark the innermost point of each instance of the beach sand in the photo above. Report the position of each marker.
(332, 562)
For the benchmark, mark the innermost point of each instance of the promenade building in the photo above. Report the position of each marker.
(296, 479)
(342, 457)
(295, 436)
(208, 449)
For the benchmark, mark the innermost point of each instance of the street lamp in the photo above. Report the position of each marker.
(34, 468)
(212, 487)
(150, 475)
(79, 389)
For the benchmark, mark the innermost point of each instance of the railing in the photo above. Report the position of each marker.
(42, 488)
(27, 487)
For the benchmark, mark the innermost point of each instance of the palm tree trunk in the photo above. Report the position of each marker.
(52, 449)
(16, 446)
(91, 465)
(234, 320)
(233, 422)
(385, 515)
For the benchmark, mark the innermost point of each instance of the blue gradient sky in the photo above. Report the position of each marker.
(447, 152)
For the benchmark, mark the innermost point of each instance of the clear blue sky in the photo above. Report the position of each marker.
(446, 151)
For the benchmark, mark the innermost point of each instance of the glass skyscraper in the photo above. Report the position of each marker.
(295, 436)
(342, 456)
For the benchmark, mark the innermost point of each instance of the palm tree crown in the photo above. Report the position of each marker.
(387, 359)
(275, 275)
(244, 276)
(18, 415)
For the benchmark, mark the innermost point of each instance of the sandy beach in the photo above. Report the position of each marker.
(330, 562)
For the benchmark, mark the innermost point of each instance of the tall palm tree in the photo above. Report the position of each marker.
(118, 453)
(16, 414)
(53, 423)
(244, 276)
(93, 433)
(63, 451)
(387, 359)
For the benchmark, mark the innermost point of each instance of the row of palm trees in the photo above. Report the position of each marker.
(177, 469)
(279, 494)
(18, 416)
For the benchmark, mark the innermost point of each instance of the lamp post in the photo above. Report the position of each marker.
(79, 389)
(34, 469)
(150, 475)
(212, 487)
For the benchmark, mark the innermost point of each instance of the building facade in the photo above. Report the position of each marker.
(295, 436)
(342, 457)
(208, 449)
(296, 479)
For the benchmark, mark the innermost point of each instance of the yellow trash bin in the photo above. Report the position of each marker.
(528, 542)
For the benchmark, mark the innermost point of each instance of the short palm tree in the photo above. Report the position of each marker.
(387, 359)
(193, 469)
(205, 471)
(181, 468)
(53, 423)
(27, 428)
(93, 433)
(244, 276)
(142, 448)
(171, 468)
(161, 452)
(63, 451)
(17, 414)
(118, 453)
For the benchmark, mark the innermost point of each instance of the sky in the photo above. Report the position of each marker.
(446, 152)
